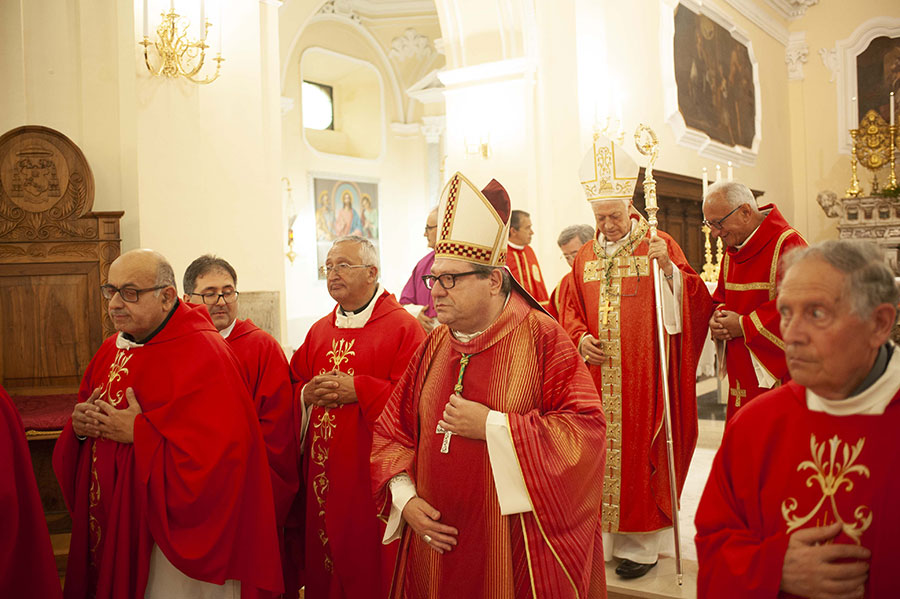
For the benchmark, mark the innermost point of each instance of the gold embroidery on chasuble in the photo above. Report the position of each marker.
(115, 395)
(618, 275)
(831, 473)
(322, 431)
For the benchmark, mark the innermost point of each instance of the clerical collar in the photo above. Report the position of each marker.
(227, 330)
(515, 246)
(872, 396)
(466, 337)
(358, 318)
(130, 342)
(750, 236)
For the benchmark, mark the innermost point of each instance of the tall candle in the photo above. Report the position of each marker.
(854, 112)
(221, 24)
(705, 181)
(892, 109)
(146, 18)
(718, 173)
(172, 5)
(730, 172)
(203, 20)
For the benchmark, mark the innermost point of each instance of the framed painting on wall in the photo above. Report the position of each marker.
(877, 75)
(343, 207)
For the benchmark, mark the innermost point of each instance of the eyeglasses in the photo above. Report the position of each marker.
(447, 280)
(567, 257)
(341, 269)
(430, 227)
(211, 299)
(717, 224)
(127, 294)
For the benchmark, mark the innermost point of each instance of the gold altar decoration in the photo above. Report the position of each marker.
(873, 148)
(292, 216)
(179, 56)
(710, 272)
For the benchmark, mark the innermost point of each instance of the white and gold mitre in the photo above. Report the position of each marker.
(473, 225)
(607, 172)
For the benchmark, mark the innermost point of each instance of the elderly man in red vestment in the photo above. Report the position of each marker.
(569, 241)
(163, 465)
(802, 497)
(346, 369)
(27, 567)
(610, 317)
(488, 455)
(213, 281)
(745, 322)
(520, 258)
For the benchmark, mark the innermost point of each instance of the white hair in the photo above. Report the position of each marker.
(367, 252)
(734, 194)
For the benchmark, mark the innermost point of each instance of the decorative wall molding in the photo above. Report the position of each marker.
(411, 45)
(796, 54)
(791, 9)
(759, 17)
(830, 60)
(846, 51)
(428, 89)
(433, 127)
(405, 129)
(287, 104)
(340, 8)
(692, 138)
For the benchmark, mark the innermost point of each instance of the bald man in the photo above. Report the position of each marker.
(162, 464)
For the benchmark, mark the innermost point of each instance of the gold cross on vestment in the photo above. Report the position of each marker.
(606, 310)
(738, 394)
(445, 445)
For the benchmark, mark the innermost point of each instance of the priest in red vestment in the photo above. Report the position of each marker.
(569, 241)
(802, 497)
(487, 458)
(345, 370)
(745, 322)
(212, 281)
(611, 319)
(27, 566)
(162, 465)
(520, 258)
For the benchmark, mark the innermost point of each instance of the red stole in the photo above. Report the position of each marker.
(522, 365)
(524, 267)
(194, 481)
(748, 278)
(343, 548)
(767, 482)
(637, 496)
(27, 567)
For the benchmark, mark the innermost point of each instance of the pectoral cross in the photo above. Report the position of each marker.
(440, 430)
(606, 310)
(738, 394)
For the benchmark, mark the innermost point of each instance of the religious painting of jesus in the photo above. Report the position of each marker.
(714, 75)
(343, 207)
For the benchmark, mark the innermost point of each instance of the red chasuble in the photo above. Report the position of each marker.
(269, 378)
(782, 468)
(344, 554)
(613, 300)
(524, 366)
(558, 297)
(27, 566)
(747, 282)
(524, 267)
(195, 481)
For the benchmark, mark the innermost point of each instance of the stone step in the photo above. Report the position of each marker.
(60, 544)
(658, 583)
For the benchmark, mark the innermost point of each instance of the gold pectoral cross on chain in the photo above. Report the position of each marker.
(440, 430)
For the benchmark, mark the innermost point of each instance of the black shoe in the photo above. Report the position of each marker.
(630, 569)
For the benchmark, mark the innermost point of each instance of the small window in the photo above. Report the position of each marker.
(318, 106)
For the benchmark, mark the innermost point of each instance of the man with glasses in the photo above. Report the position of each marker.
(167, 484)
(486, 456)
(415, 297)
(212, 281)
(745, 321)
(569, 241)
(612, 320)
(521, 260)
(345, 371)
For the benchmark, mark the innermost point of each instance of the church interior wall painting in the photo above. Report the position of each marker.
(711, 82)
(343, 206)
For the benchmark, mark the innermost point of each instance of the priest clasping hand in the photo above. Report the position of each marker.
(115, 424)
(84, 417)
(330, 390)
(464, 417)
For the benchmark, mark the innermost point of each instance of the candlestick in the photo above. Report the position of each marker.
(705, 182)
(730, 172)
(854, 113)
(892, 109)
(718, 173)
(854, 190)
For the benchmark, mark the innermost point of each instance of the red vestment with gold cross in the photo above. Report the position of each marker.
(613, 300)
(524, 366)
(748, 278)
(195, 482)
(783, 467)
(344, 556)
(525, 269)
